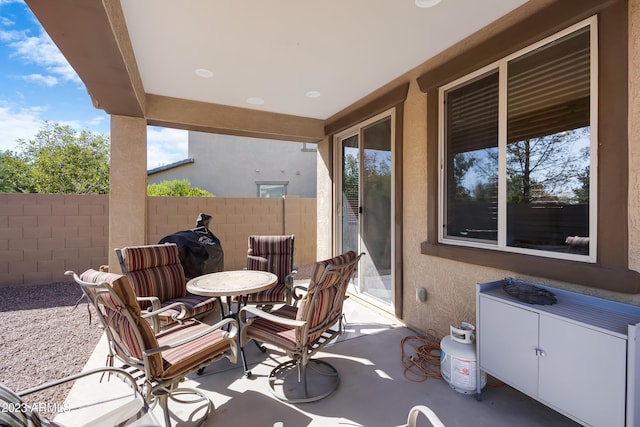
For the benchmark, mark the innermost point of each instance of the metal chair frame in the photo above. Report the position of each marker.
(315, 378)
(154, 390)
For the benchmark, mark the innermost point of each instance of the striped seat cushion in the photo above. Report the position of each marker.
(194, 305)
(320, 308)
(269, 332)
(178, 361)
(125, 324)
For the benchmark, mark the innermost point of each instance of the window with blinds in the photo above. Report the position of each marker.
(518, 151)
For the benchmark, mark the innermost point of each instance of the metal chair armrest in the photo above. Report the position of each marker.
(298, 296)
(119, 371)
(155, 312)
(155, 302)
(179, 316)
(427, 412)
(114, 416)
(270, 317)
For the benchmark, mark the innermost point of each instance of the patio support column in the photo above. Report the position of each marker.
(128, 185)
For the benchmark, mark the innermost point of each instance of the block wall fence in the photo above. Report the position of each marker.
(43, 235)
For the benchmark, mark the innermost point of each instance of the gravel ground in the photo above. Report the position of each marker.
(43, 337)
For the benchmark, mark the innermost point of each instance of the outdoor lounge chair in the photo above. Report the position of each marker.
(302, 331)
(160, 361)
(15, 412)
(275, 255)
(158, 279)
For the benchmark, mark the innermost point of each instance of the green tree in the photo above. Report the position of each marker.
(58, 160)
(7, 165)
(176, 188)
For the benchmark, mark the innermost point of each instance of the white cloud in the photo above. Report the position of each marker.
(96, 121)
(14, 125)
(41, 51)
(24, 123)
(165, 146)
(4, 21)
(40, 79)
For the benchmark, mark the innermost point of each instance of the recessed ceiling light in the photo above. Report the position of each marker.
(313, 94)
(204, 73)
(426, 3)
(254, 100)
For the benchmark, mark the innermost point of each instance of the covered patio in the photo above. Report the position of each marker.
(374, 390)
(326, 72)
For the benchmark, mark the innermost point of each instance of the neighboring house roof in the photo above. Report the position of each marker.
(170, 166)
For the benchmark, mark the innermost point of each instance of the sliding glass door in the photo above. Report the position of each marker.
(365, 209)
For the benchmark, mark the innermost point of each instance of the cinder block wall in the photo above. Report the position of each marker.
(43, 235)
(233, 220)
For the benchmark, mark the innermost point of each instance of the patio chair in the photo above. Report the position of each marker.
(15, 412)
(275, 255)
(158, 279)
(302, 331)
(160, 361)
(418, 410)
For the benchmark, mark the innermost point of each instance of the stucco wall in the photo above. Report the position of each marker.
(231, 166)
(451, 284)
(42, 236)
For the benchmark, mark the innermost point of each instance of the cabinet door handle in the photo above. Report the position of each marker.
(540, 352)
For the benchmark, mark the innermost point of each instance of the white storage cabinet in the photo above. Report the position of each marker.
(579, 356)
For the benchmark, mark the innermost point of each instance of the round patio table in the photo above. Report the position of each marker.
(234, 283)
(231, 283)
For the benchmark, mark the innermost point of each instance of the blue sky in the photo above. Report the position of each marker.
(37, 83)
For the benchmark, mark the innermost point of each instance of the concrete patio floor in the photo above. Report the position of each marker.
(373, 390)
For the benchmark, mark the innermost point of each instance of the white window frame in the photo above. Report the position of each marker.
(501, 66)
(283, 184)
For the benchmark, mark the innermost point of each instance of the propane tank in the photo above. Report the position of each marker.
(458, 363)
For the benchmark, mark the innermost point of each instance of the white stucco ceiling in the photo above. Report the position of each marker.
(279, 50)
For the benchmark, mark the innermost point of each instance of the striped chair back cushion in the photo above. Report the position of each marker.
(155, 270)
(325, 295)
(123, 318)
(123, 332)
(94, 276)
(271, 253)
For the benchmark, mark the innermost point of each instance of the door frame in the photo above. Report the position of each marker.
(395, 305)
